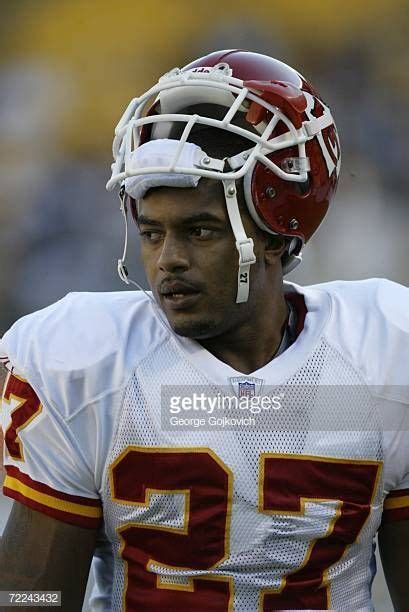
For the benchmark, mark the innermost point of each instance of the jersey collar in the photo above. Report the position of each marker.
(313, 311)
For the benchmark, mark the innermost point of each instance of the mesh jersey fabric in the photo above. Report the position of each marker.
(103, 399)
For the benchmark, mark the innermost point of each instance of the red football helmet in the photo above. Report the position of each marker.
(291, 167)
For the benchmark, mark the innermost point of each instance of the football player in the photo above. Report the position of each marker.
(227, 168)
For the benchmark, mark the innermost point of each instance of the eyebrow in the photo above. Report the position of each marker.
(203, 216)
(143, 220)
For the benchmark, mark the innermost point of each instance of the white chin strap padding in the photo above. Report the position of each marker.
(244, 245)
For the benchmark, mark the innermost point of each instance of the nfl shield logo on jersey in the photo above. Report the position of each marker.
(247, 389)
(246, 386)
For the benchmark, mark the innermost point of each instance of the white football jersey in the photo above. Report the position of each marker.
(273, 508)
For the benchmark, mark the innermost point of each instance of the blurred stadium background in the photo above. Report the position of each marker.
(67, 70)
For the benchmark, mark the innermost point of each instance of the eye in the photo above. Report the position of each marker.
(150, 235)
(203, 233)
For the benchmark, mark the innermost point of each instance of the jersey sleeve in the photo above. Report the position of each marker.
(396, 478)
(388, 361)
(45, 467)
(369, 325)
(69, 364)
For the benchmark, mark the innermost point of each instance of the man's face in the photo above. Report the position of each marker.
(191, 261)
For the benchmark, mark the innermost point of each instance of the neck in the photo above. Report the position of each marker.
(250, 346)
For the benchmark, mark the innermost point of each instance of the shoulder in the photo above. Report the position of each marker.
(375, 297)
(87, 342)
(369, 324)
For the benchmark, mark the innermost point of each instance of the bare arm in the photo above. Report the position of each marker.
(394, 547)
(38, 552)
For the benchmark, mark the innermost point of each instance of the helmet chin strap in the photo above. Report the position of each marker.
(122, 269)
(244, 245)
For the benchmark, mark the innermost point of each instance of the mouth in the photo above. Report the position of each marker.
(179, 301)
(179, 296)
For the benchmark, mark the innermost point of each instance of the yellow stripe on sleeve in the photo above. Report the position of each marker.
(52, 502)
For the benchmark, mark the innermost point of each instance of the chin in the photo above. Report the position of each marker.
(194, 329)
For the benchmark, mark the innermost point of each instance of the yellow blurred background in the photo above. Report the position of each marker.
(99, 55)
(68, 69)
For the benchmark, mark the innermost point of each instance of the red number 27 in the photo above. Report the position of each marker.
(201, 542)
(24, 407)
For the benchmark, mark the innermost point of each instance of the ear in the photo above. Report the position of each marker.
(274, 248)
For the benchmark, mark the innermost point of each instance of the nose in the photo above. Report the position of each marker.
(173, 256)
